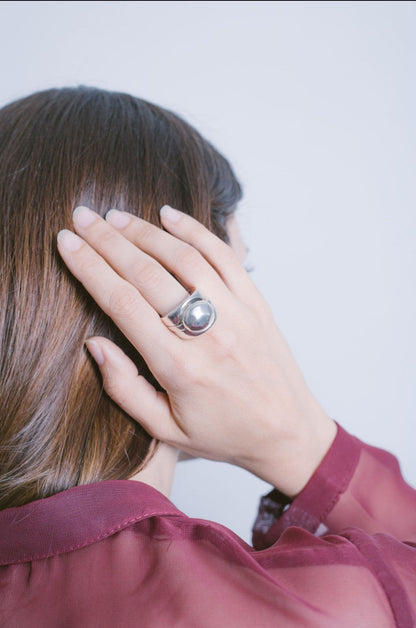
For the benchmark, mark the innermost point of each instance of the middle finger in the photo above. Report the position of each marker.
(159, 287)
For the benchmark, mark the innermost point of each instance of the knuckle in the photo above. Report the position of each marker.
(88, 266)
(226, 346)
(112, 387)
(107, 237)
(123, 303)
(188, 257)
(228, 342)
(182, 364)
(188, 370)
(148, 275)
(116, 391)
(195, 231)
(224, 255)
(265, 314)
(250, 327)
(145, 231)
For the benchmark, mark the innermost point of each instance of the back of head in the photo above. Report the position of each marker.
(59, 149)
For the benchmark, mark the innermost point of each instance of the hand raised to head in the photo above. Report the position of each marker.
(233, 393)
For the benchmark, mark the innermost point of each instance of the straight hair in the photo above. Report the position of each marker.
(58, 149)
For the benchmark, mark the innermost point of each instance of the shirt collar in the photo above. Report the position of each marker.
(75, 518)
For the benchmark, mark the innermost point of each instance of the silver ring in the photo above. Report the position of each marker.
(194, 316)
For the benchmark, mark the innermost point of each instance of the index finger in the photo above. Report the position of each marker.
(129, 310)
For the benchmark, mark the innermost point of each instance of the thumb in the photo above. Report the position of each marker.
(133, 393)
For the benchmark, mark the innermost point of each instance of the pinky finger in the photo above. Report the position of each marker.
(133, 393)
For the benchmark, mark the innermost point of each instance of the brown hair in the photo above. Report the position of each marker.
(58, 149)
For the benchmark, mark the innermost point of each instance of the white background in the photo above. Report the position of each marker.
(314, 103)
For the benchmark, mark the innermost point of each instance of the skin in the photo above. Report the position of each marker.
(159, 470)
(234, 393)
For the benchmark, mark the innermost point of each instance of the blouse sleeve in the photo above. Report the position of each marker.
(356, 499)
(356, 485)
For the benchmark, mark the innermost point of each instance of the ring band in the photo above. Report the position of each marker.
(194, 316)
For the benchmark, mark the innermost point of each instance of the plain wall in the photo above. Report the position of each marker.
(314, 103)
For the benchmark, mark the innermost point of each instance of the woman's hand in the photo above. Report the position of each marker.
(233, 393)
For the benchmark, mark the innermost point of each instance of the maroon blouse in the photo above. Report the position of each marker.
(119, 554)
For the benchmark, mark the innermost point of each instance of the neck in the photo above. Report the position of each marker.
(160, 468)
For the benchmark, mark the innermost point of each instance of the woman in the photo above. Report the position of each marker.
(194, 362)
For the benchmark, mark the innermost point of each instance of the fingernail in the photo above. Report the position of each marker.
(170, 214)
(69, 240)
(95, 350)
(117, 219)
(83, 217)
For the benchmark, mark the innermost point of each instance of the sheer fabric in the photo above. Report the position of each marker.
(120, 554)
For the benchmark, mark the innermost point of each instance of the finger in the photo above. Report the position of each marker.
(184, 260)
(133, 393)
(134, 316)
(221, 256)
(166, 248)
(157, 286)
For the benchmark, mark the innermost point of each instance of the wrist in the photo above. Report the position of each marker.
(290, 461)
